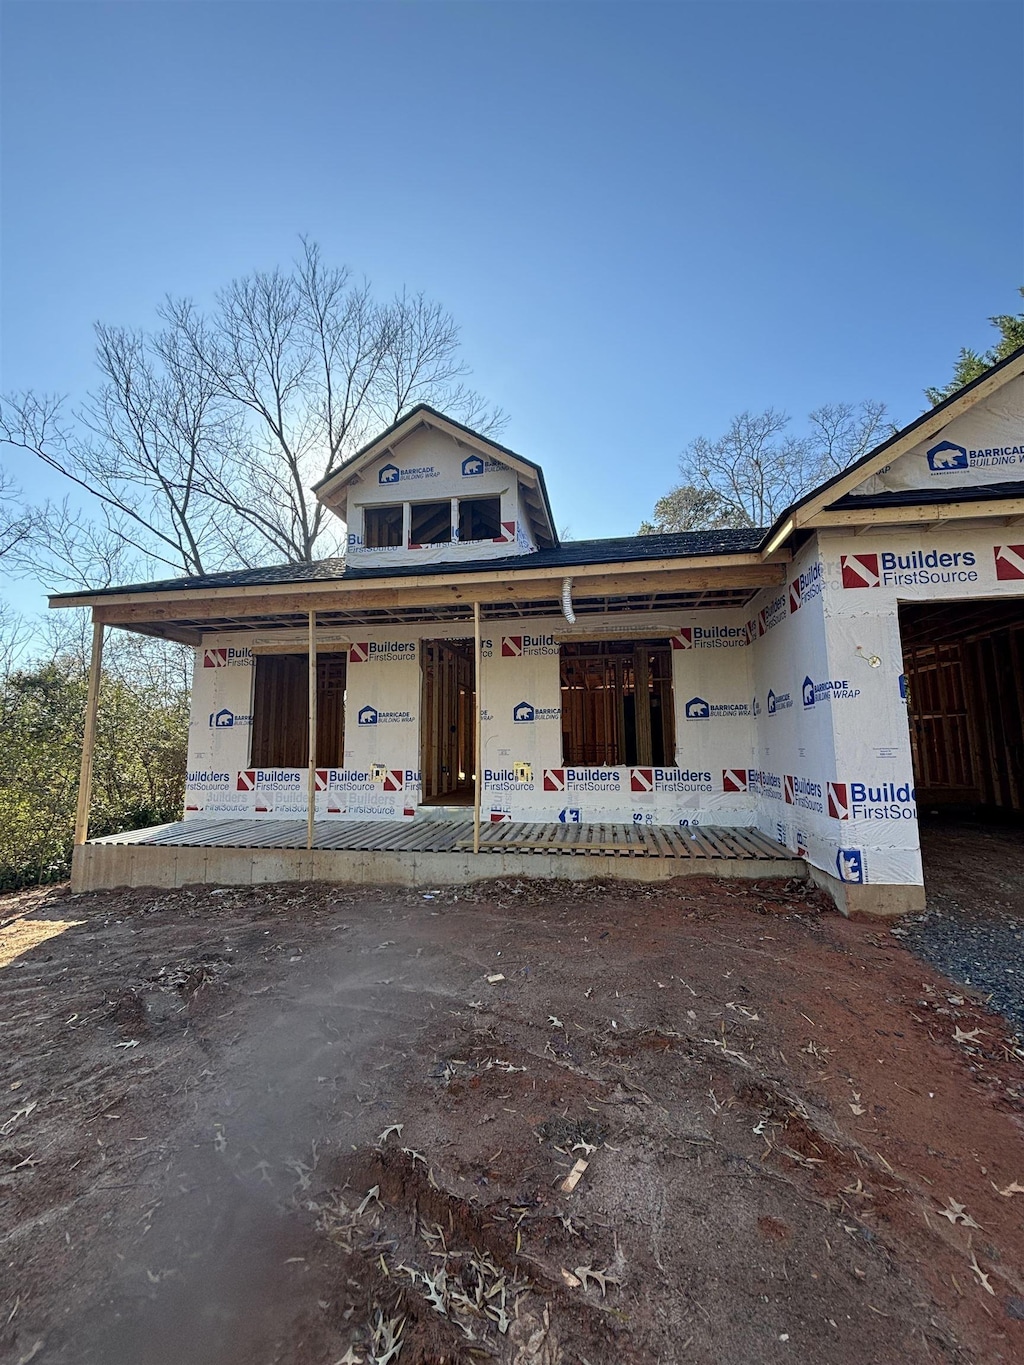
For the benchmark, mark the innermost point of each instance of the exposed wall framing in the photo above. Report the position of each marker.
(965, 684)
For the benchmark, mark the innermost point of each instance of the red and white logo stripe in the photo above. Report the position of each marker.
(554, 779)
(1009, 562)
(734, 779)
(860, 571)
(359, 654)
(838, 799)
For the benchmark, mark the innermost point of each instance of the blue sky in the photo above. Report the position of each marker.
(645, 217)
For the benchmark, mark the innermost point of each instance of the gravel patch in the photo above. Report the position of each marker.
(973, 929)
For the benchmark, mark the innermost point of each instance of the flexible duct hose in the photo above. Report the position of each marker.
(567, 610)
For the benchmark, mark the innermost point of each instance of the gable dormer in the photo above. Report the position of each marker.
(429, 490)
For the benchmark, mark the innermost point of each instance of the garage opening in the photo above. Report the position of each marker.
(964, 676)
(448, 725)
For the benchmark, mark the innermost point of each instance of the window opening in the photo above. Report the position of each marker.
(431, 523)
(617, 706)
(280, 711)
(382, 527)
(480, 519)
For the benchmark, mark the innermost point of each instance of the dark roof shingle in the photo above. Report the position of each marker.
(571, 554)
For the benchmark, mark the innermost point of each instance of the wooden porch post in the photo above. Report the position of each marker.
(477, 729)
(311, 791)
(89, 738)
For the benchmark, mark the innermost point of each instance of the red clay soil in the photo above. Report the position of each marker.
(320, 1125)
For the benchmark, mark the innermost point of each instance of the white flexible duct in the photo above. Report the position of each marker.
(567, 610)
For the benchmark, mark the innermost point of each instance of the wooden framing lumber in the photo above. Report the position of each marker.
(89, 739)
(477, 730)
(440, 591)
(311, 784)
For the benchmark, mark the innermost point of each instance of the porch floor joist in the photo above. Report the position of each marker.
(444, 836)
(419, 852)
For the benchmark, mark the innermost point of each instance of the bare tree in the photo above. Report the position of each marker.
(756, 468)
(198, 449)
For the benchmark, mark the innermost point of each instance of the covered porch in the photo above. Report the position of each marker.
(315, 619)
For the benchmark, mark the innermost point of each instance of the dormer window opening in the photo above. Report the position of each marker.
(382, 527)
(430, 523)
(480, 519)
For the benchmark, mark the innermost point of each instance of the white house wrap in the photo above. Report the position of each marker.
(803, 680)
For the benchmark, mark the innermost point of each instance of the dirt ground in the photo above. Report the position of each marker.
(318, 1125)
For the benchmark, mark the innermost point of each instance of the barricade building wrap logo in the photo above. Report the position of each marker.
(390, 473)
(668, 780)
(778, 701)
(862, 801)
(709, 637)
(383, 652)
(697, 708)
(949, 458)
(226, 719)
(850, 865)
(525, 713)
(474, 465)
(916, 568)
(831, 690)
(226, 657)
(370, 715)
(515, 646)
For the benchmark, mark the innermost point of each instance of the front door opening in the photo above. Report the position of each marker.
(964, 672)
(448, 734)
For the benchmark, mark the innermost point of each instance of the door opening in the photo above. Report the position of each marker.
(449, 722)
(964, 671)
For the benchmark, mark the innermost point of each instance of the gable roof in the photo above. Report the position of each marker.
(332, 490)
(832, 493)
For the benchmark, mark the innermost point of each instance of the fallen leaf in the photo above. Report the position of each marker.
(1011, 1189)
(555, 1023)
(957, 1213)
(981, 1274)
(570, 1279)
(600, 1277)
(959, 1036)
(392, 1128)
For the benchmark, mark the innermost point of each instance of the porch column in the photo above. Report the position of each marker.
(311, 789)
(478, 776)
(89, 738)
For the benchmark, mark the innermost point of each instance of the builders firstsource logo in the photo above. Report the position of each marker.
(709, 637)
(862, 801)
(916, 568)
(516, 646)
(802, 792)
(382, 652)
(582, 780)
(810, 584)
(648, 780)
(226, 658)
(949, 458)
